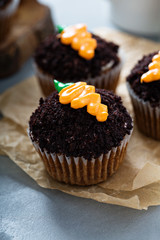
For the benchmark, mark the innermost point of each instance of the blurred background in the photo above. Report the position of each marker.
(66, 215)
(139, 17)
(94, 13)
(136, 17)
(18, 46)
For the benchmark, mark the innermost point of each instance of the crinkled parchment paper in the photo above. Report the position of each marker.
(137, 182)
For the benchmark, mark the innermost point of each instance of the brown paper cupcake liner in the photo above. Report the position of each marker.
(108, 79)
(80, 171)
(147, 117)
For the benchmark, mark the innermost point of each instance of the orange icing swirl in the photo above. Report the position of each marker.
(80, 40)
(154, 70)
(79, 95)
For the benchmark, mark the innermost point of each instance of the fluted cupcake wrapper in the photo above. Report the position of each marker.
(80, 171)
(147, 117)
(108, 79)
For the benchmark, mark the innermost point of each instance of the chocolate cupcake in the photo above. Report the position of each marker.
(144, 88)
(62, 60)
(83, 143)
(7, 10)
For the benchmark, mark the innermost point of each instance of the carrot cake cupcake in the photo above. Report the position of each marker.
(74, 54)
(80, 133)
(144, 88)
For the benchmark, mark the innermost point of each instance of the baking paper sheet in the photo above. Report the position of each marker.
(137, 182)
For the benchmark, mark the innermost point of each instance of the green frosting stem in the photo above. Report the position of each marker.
(59, 28)
(59, 85)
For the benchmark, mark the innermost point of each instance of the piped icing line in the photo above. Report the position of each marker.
(80, 95)
(154, 70)
(80, 40)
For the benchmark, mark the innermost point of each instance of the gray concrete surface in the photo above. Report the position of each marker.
(29, 212)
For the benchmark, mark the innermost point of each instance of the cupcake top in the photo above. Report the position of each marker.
(59, 128)
(61, 60)
(146, 90)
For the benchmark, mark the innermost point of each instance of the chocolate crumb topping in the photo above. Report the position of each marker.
(64, 63)
(146, 91)
(58, 128)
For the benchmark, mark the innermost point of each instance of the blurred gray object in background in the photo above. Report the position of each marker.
(137, 16)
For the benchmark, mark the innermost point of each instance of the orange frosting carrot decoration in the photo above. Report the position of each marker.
(154, 70)
(80, 40)
(79, 95)
(69, 93)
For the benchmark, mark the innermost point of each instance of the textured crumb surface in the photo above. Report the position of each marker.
(146, 91)
(59, 128)
(64, 63)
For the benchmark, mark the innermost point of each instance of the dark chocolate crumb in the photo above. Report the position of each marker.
(146, 91)
(59, 128)
(64, 63)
